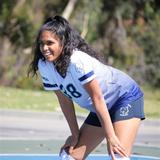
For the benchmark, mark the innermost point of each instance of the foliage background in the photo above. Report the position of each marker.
(127, 33)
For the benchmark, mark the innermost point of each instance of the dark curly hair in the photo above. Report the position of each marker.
(70, 40)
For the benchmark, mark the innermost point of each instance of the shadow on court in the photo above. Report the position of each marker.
(43, 133)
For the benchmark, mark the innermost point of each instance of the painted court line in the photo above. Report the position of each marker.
(55, 157)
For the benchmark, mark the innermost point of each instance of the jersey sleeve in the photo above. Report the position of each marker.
(48, 82)
(83, 68)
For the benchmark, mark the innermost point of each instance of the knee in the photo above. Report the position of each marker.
(78, 155)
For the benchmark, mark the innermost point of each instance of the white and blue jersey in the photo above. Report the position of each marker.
(117, 87)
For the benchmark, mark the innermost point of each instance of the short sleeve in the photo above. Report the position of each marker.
(46, 76)
(82, 67)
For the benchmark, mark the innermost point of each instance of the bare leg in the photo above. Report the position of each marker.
(90, 137)
(126, 131)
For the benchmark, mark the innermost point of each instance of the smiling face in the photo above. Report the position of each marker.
(50, 45)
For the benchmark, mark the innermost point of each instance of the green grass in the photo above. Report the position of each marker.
(152, 102)
(11, 98)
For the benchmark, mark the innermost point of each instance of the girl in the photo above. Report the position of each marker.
(73, 70)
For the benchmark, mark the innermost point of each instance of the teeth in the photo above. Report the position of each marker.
(46, 54)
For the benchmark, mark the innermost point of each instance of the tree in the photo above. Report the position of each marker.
(124, 31)
(69, 9)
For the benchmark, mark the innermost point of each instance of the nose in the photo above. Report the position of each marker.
(43, 48)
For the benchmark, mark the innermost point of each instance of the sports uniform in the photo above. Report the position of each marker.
(122, 95)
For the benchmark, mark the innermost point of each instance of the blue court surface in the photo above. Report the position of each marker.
(55, 157)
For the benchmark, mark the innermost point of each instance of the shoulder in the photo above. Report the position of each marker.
(79, 56)
(43, 65)
(80, 60)
(81, 64)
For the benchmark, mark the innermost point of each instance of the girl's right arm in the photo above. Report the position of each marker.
(68, 110)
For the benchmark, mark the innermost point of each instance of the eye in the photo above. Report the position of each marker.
(49, 43)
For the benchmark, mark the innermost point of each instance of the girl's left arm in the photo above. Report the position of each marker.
(96, 95)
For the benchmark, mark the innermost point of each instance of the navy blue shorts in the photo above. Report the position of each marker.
(121, 112)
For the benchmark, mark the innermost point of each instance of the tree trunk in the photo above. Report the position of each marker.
(69, 9)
